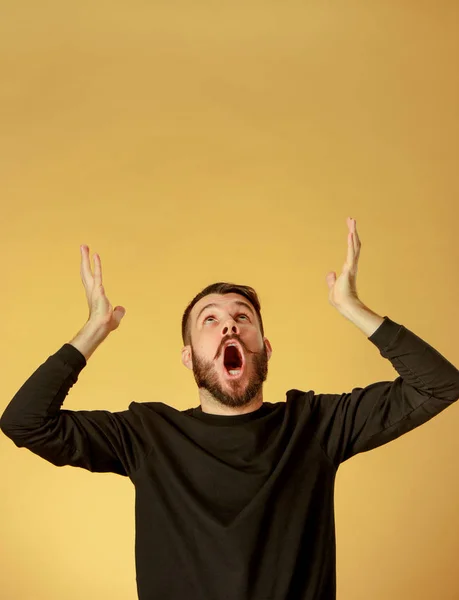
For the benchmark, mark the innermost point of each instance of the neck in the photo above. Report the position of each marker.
(210, 405)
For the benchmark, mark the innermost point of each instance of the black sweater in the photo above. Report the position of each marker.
(234, 507)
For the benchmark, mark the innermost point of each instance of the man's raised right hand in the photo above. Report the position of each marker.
(101, 312)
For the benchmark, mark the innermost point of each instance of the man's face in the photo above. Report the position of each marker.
(211, 329)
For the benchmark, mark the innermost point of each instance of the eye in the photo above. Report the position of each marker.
(212, 317)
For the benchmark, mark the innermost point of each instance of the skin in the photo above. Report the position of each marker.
(217, 393)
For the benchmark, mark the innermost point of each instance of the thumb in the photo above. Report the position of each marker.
(330, 279)
(119, 312)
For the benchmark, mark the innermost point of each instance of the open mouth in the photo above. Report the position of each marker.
(233, 362)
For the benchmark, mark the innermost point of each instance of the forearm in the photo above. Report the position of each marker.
(88, 339)
(365, 319)
(39, 399)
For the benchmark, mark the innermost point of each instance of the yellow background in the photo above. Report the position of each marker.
(194, 142)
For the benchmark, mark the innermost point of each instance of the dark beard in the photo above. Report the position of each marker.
(238, 393)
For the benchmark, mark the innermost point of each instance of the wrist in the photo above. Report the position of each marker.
(87, 340)
(363, 317)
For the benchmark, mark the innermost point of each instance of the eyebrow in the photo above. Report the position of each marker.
(238, 302)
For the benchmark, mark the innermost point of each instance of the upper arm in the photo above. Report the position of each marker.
(96, 440)
(368, 417)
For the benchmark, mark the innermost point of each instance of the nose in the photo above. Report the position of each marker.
(230, 326)
(230, 330)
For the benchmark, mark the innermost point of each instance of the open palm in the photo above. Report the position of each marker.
(100, 309)
(344, 288)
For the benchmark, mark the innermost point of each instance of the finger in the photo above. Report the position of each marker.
(353, 245)
(85, 269)
(350, 250)
(97, 270)
(357, 243)
(354, 236)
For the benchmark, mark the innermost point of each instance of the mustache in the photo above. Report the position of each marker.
(235, 339)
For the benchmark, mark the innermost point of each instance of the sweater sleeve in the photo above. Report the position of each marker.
(96, 440)
(365, 418)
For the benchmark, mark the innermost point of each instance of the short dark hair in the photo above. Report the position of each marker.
(220, 288)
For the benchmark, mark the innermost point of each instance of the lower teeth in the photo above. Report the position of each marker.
(234, 372)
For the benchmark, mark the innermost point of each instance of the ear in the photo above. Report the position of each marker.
(269, 349)
(186, 357)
